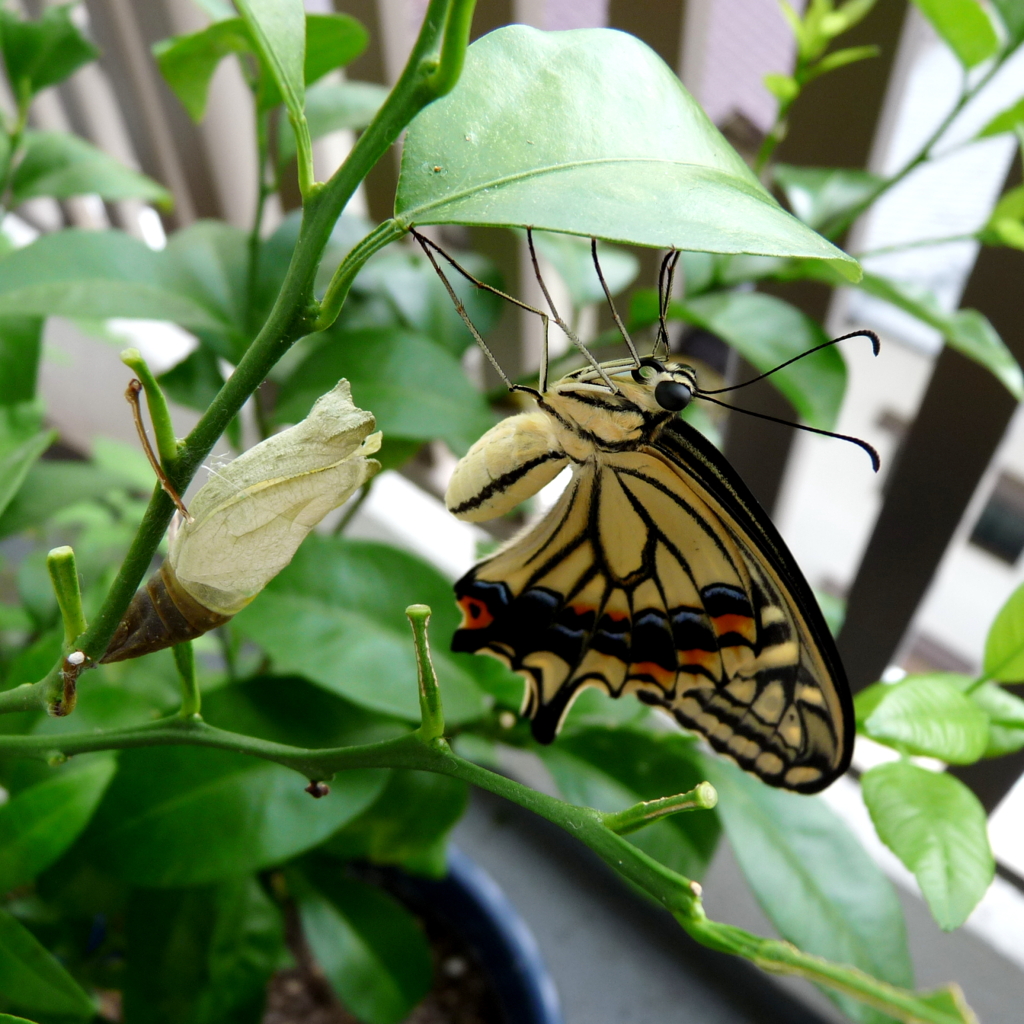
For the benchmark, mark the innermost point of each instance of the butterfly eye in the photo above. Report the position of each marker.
(672, 395)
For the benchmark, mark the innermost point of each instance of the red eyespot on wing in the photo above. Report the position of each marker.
(475, 614)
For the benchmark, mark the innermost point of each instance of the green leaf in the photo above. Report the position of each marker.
(44, 52)
(1005, 121)
(278, 30)
(965, 28)
(1005, 712)
(332, 41)
(1012, 15)
(1004, 645)
(785, 88)
(937, 827)
(966, 330)
(250, 813)
(52, 486)
(201, 955)
(767, 331)
(612, 769)
(39, 823)
(572, 258)
(818, 195)
(407, 825)
(928, 715)
(32, 980)
(16, 459)
(332, 107)
(370, 947)
(435, 401)
(495, 151)
(6, 1018)
(61, 165)
(813, 879)
(188, 62)
(336, 615)
(96, 274)
(839, 59)
(20, 345)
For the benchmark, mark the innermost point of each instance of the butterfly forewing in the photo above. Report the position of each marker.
(656, 573)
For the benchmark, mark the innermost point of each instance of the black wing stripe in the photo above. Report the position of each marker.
(505, 481)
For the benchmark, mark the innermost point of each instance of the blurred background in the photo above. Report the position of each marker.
(916, 560)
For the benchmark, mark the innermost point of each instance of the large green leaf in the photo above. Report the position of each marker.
(964, 26)
(966, 330)
(200, 955)
(417, 390)
(39, 823)
(929, 715)
(250, 814)
(588, 132)
(20, 345)
(408, 824)
(1004, 645)
(612, 769)
(44, 52)
(96, 274)
(278, 30)
(937, 827)
(61, 165)
(372, 950)
(32, 980)
(333, 107)
(767, 331)
(818, 195)
(814, 880)
(336, 615)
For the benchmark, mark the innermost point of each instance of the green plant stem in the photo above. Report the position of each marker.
(702, 798)
(159, 414)
(431, 713)
(677, 894)
(185, 660)
(432, 69)
(60, 564)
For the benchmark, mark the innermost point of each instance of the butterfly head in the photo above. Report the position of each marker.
(670, 385)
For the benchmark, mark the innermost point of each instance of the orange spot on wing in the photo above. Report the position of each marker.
(583, 609)
(706, 659)
(664, 677)
(742, 624)
(475, 614)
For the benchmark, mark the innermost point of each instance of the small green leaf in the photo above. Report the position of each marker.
(408, 824)
(865, 702)
(964, 26)
(1005, 712)
(336, 615)
(495, 152)
(278, 29)
(39, 823)
(332, 107)
(1004, 645)
(785, 88)
(818, 195)
(814, 879)
(928, 715)
(936, 826)
(32, 980)
(767, 331)
(44, 52)
(1005, 121)
(612, 769)
(370, 947)
(966, 330)
(61, 165)
(20, 345)
(437, 401)
(839, 59)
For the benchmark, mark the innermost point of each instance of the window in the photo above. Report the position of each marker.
(1000, 527)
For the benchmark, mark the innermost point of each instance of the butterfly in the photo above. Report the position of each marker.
(656, 573)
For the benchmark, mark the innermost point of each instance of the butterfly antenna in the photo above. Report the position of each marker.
(872, 453)
(666, 277)
(611, 305)
(429, 247)
(875, 345)
(569, 332)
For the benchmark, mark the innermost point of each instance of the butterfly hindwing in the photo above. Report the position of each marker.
(656, 573)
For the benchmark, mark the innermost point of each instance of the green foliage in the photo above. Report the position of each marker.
(817, 195)
(41, 53)
(964, 26)
(813, 879)
(20, 344)
(936, 826)
(1004, 645)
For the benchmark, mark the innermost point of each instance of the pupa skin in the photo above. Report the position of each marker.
(247, 522)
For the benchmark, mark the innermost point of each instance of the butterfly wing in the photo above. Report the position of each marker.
(657, 573)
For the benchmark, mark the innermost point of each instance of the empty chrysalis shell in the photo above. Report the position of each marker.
(248, 520)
